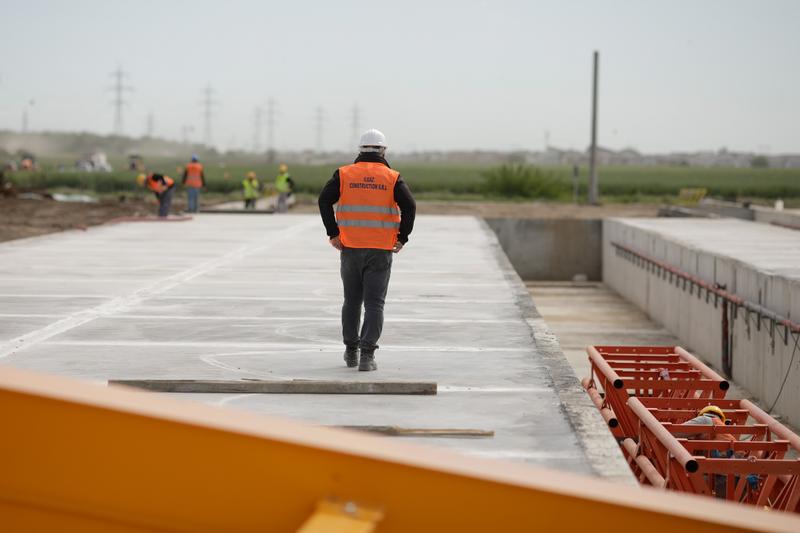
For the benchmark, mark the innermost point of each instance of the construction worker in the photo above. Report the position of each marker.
(163, 187)
(250, 188)
(374, 218)
(711, 415)
(194, 179)
(284, 185)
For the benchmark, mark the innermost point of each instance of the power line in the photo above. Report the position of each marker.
(356, 125)
(320, 119)
(271, 111)
(119, 88)
(208, 102)
(258, 115)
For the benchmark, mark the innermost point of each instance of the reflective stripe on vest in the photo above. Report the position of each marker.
(367, 215)
(368, 224)
(367, 209)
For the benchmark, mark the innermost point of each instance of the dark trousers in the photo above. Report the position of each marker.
(164, 202)
(365, 277)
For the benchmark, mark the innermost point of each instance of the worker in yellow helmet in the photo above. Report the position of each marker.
(285, 186)
(250, 190)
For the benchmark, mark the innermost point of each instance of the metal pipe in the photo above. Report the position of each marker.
(604, 367)
(776, 427)
(644, 464)
(711, 288)
(670, 442)
(702, 367)
(605, 412)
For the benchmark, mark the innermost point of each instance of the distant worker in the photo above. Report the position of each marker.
(250, 189)
(374, 218)
(194, 179)
(285, 186)
(163, 187)
(710, 415)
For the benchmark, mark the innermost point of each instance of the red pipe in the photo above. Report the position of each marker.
(703, 368)
(644, 464)
(665, 437)
(604, 367)
(776, 427)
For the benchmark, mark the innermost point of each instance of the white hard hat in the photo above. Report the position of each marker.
(372, 138)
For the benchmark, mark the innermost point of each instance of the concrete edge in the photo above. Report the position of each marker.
(595, 439)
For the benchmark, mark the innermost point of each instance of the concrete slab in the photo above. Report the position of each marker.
(242, 296)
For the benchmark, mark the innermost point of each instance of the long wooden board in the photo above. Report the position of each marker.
(397, 431)
(295, 386)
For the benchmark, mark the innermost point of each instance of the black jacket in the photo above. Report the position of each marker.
(402, 195)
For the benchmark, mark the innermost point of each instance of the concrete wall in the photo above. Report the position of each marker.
(758, 365)
(551, 249)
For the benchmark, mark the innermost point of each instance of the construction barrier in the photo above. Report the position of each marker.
(79, 457)
(648, 394)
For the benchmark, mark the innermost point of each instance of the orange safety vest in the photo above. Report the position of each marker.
(157, 186)
(367, 215)
(194, 173)
(722, 436)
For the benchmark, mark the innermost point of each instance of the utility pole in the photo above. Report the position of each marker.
(593, 188)
(356, 124)
(150, 126)
(119, 88)
(258, 114)
(208, 102)
(319, 121)
(25, 109)
(270, 130)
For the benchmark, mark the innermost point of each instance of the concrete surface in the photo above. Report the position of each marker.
(758, 262)
(238, 296)
(551, 249)
(583, 314)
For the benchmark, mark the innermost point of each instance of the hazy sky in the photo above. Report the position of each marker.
(675, 75)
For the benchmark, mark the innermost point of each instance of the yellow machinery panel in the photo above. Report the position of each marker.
(81, 457)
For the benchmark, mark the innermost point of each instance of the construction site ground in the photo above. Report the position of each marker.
(20, 218)
(583, 314)
(258, 297)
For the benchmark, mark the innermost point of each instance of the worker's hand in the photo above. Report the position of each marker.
(397, 247)
(336, 242)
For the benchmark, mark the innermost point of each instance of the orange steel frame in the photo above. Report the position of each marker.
(650, 414)
(80, 457)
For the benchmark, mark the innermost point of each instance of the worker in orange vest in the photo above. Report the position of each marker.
(193, 179)
(374, 218)
(163, 187)
(712, 415)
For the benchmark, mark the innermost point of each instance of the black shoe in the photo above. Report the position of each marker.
(351, 357)
(367, 362)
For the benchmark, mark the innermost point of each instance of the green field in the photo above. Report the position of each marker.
(446, 181)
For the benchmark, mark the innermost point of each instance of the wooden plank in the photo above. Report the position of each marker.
(397, 431)
(295, 386)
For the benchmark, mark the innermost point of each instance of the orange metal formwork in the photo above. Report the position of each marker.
(652, 407)
(618, 372)
(78, 457)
